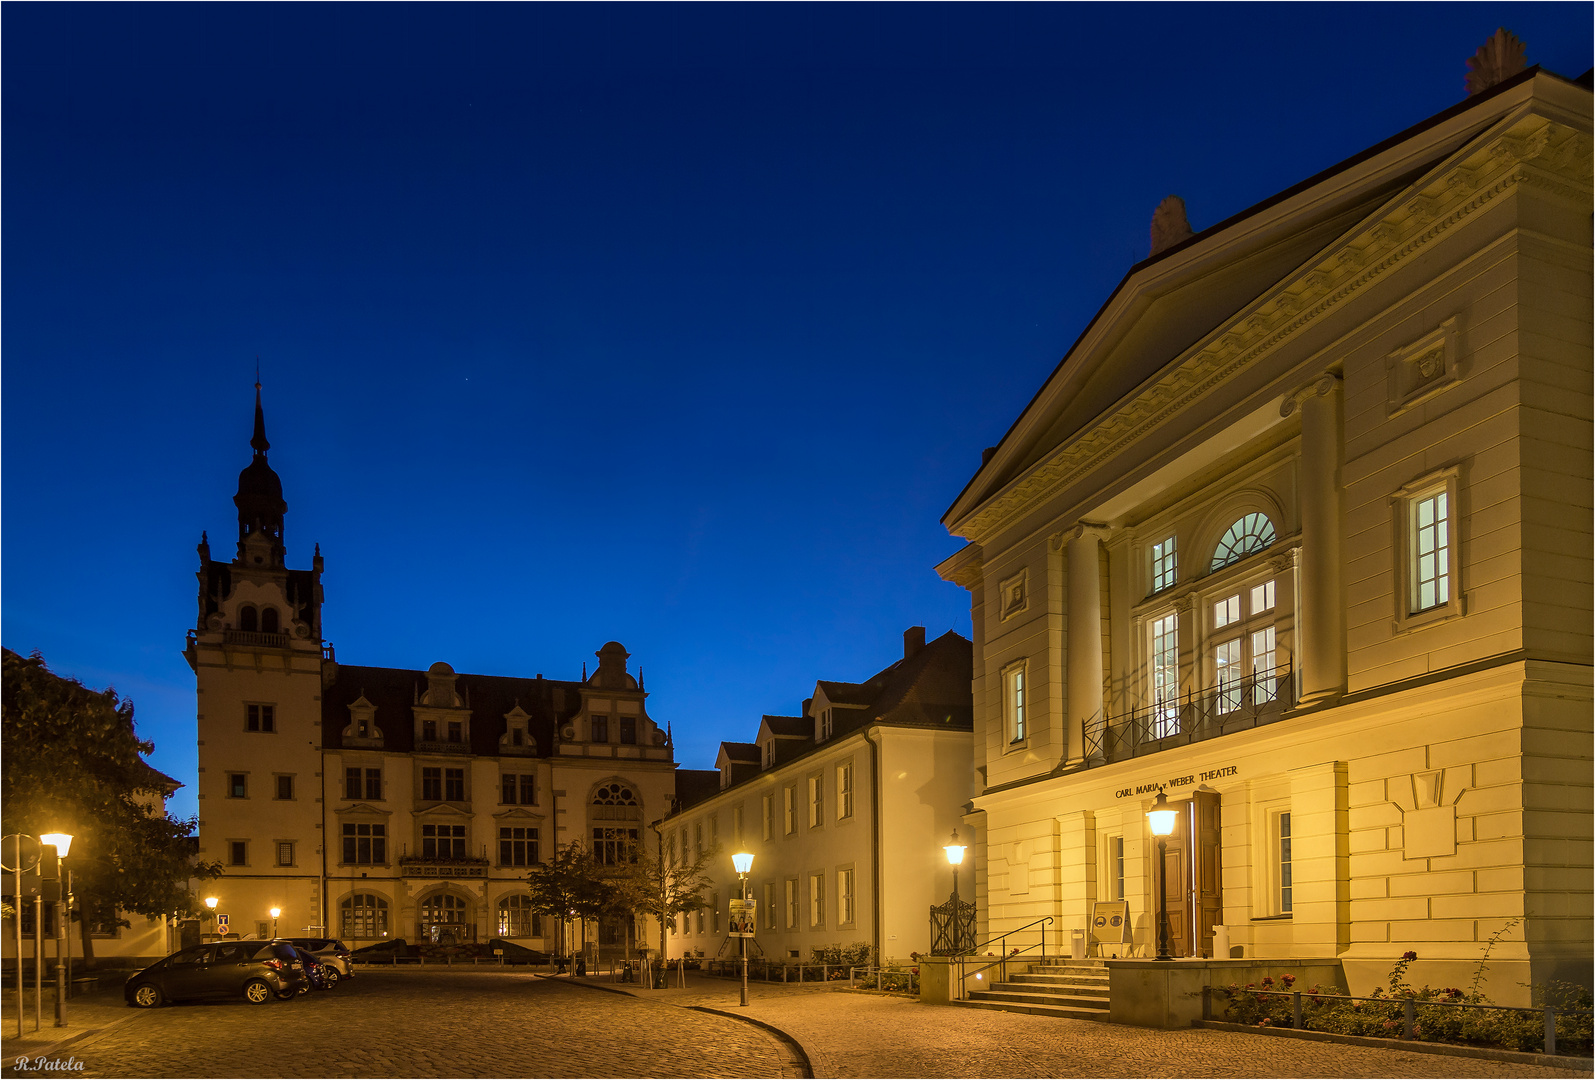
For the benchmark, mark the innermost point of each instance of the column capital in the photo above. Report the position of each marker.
(1320, 386)
(1096, 530)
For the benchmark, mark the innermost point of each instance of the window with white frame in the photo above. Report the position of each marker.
(844, 791)
(789, 809)
(817, 901)
(714, 913)
(816, 801)
(1282, 866)
(769, 905)
(768, 804)
(1244, 652)
(1013, 683)
(1428, 587)
(1165, 565)
(1250, 534)
(791, 903)
(1166, 675)
(1431, 550)
(736, 825)
(1115, 877)
(844, 896)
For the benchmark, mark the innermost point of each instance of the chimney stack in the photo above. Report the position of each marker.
(913, 641)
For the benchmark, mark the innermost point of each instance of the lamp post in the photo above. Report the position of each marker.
(62, 842)
(955, 858)
(744, 865)
(276, 911)
(1161, 819)
(210, 904)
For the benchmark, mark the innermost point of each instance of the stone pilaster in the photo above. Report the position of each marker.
(1320, 605)
(1084, 544)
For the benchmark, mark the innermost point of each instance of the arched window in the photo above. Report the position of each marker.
(615, 841)
(443, 919)
(365, 915)
(246, 619)
(1251, 533)
(515, 918)
(268, 620)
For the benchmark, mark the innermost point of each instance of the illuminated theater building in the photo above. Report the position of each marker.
(1299, 533)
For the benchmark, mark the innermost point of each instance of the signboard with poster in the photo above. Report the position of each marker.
(742, 918)
(1110, 923)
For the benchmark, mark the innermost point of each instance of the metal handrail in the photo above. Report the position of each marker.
(1002, 961)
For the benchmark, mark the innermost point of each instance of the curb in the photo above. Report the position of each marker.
(1514, 1057)
(790, 1043)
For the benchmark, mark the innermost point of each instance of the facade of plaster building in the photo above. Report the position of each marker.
(1299, 533)
(845, 809)
(374, 803)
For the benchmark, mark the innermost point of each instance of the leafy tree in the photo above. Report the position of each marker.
(668, 885)
(72, 761)
(572, 882)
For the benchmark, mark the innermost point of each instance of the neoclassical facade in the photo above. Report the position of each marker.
(382, 803)
(1299, 533)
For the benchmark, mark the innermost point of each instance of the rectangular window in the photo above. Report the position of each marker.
(429, 731)
(1284, 863)
(443, 841)
(1165, 565)
(1263, 664)
(714, 913)
(700, 920)
(816, 901)
(528, 789)
(1227, 611)
(454, 785)
(260, 717)
(1014, 694)
(768, 750)
(432, 785)
(237, 785)
(1115, 868)
(1227, 671)
(351, 783)
(600, 729)
(825, 724)
(769, 816)
(285, 787)
(844, 897)
(1262, 597)
(285, 853)
(456, 731)
(48, 908)
(789, 807)
(612, 847)
(791, 903)
(628, 731)
(736, 825)
(365, 845)
(1431, 551)
(816, 801)
(374, 784)
(517, 846)
(509, 788)
(769, 905)
(697, 840)
(714, 831)
(844, 791)
(1166, 676)
(238, 853)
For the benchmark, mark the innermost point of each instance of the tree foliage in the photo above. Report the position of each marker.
(73, 762)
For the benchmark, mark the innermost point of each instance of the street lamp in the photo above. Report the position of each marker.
(276, 911)
(955, 858)
(1161, 819)
(210, 903)
(743, 862)
(62, 842)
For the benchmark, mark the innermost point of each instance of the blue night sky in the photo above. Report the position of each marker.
(677, 325)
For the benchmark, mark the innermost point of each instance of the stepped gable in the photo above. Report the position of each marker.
(393, 691)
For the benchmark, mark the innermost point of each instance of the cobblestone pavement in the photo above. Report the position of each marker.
(426, 1022)
(858, 1034)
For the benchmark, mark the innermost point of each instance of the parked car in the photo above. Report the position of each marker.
(332, 953)
(315, 971)
(255, 969)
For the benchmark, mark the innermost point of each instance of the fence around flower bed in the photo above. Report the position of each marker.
(1546, 1028)
(858, 977)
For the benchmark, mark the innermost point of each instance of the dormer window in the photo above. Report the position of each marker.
(517, 737)
(628, 730)
(769, 753)
(362, 720)
(429, 731)
(825, 724)
(600, 729)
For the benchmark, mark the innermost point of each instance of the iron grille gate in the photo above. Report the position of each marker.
(952, 927)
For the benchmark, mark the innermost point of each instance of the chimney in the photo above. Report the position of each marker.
(913, 641)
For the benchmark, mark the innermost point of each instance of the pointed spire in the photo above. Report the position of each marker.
(259, 441)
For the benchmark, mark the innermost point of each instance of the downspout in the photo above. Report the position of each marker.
(875, 841)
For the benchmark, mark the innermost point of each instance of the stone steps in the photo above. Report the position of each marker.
(981, 1000)
(1069, 989)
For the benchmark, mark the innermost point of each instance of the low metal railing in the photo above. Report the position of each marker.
(1234, 705)
(1301, 1019)
(255, 638)
(1000, 959)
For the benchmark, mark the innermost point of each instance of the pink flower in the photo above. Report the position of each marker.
(1287, 979)
(1409, 955)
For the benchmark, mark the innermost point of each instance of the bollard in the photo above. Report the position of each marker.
(1550, 1030)
(1295, 1009)
(1409, 1017)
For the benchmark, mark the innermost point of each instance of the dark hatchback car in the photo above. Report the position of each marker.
(254, 969)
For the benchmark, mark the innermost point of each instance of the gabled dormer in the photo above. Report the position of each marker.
(783, 737)
(833, 705)
(362, 730)
(442, 715)
(517, 739)
(737, 762)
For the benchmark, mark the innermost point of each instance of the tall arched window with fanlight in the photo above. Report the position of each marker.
(616, 817)
(363, 915)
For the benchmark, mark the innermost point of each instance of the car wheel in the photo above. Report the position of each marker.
(332, 977)
(257, 992)
(147, 996)
(285, 995)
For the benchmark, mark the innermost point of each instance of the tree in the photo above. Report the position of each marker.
(668, 885)
(72, 761)
(572, 882)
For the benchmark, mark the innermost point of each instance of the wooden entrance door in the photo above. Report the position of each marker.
(1175, 869)
(1209, 890)
(1192, 884)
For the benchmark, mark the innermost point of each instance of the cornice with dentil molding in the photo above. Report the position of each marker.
(1535, 151)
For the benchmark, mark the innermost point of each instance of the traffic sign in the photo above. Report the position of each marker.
(221, 925)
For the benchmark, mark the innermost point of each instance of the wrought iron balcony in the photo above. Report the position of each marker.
(1234, 705)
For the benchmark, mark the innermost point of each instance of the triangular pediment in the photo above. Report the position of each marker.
(517, 814)
(364, 808)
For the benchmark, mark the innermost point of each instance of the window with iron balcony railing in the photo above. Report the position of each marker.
(1236, 703)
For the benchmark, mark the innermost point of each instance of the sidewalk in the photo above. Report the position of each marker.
(86, 1015)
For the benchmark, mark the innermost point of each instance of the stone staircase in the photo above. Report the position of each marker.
(1076, 989)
